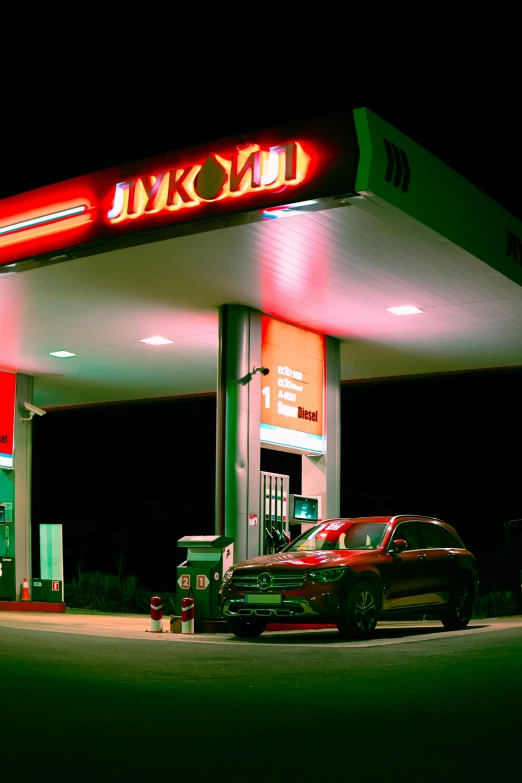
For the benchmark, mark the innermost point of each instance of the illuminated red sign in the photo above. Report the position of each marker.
(282, 166)
(293, 392)
(250, 170)
(7, 414)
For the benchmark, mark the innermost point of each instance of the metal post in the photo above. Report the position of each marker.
(321, 474)
(238, 427)
(333, 428)
(22, 482)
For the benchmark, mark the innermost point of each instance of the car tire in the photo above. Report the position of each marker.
(460, 608)
(361, 612)
(245, 629)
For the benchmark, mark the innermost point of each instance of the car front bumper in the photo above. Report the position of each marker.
(323, 607)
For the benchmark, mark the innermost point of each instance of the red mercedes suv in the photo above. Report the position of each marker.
(353, 572)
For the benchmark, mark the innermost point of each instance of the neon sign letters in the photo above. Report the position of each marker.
(250, 170)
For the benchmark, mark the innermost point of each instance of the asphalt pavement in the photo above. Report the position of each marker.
(417, 703)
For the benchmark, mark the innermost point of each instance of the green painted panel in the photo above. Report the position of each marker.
(51, 557)
(435, 195)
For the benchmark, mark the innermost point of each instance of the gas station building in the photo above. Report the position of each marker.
(271, 267)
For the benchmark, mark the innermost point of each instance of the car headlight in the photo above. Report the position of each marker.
(327, 574)
(228, 575)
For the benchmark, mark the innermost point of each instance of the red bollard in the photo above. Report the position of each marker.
(156, 614)
(187, 615)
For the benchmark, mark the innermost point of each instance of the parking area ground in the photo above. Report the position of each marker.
(138, 627)
(92, 696)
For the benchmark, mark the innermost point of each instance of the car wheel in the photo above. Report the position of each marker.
(361, 612)
(245, 628)
(459, 610)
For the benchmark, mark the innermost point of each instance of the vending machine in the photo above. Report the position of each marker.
(274, 527)
(7, 561)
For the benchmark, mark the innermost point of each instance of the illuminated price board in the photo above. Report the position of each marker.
(7, 411)
(293, 391)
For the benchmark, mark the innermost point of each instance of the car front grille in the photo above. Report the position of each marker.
(281, 581)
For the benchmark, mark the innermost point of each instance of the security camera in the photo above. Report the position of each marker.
(262, 370)
(32, 411)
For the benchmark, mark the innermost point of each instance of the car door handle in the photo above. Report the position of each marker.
(422, 556)
(453, 554)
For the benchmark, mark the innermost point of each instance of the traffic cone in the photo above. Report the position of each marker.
(25, 591)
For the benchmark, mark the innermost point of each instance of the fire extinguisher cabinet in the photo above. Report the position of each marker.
(48, 590)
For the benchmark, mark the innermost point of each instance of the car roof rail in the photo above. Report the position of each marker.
(417, 516)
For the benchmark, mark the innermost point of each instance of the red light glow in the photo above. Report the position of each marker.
(41, 231)
(39, 223)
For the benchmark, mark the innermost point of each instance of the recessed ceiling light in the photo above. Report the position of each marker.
(406, 310)
(62, 354)
(156, 340)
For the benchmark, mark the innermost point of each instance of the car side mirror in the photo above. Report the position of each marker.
(398, 546)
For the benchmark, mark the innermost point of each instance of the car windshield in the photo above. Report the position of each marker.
(340, 535)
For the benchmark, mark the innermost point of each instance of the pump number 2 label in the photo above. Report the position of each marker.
(184, 581)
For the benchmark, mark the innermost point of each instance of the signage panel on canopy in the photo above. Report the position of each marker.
(7, 418)
(280, 167)
(293, 391)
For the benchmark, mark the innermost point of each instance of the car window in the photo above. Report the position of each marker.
(451, 541)
(433, 536)
(340, 534)
(408, 531)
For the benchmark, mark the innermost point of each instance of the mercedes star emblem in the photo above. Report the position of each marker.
(264, 581)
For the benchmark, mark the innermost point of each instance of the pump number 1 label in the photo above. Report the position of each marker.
(202, 582)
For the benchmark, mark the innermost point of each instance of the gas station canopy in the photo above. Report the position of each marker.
(325, 225)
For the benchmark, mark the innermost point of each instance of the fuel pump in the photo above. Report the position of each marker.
(7, 563)
(5, 522)
(274, 530)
